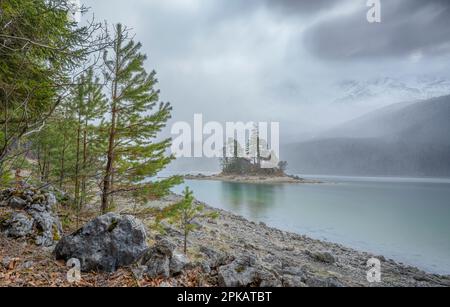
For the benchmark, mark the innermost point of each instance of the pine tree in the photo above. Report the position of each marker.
(66, 127)
(79, 97)
(39, 49)
(52, 148)
(185, 212)
(89, 106)
(94, 110)
(136, 116)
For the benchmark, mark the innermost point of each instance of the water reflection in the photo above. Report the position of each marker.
(407, 221)
(257, 199)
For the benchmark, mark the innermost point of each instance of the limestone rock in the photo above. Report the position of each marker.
(105, 243)
(161, 260)
(324, 257)
(247, 271)
(17, 203)
(30, 215)
(18, 225)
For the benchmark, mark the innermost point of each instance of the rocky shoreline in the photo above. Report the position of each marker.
(226, 251)
(253, 179)
(237, 252)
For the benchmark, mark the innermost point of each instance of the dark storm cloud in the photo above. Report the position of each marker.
(407, 27)
(302, 6)
(286, 7)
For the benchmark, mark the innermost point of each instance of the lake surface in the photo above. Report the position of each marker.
(405, 219)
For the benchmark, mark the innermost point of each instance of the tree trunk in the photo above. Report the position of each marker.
(258, 151)
(4, 149)
(63, 156)
(185, 241)
(109, 164)
(77, 171)
(107, 181)
(47, 169)
(84, 166)
(111, 188)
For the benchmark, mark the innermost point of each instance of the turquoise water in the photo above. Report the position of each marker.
(404, 219)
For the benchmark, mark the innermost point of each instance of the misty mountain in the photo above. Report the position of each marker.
(390, 90)
(404, 139)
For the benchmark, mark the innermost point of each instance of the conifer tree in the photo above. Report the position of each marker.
(89, 106)
(40, 47)
(53, 147)
(94, 110)
(66, 127)
(135, 118)
(185, 212)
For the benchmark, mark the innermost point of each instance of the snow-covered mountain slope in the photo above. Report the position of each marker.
(390, 90)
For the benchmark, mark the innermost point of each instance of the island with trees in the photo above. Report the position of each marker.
(254, 163)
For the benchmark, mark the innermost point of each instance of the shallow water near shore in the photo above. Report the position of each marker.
(405, 219)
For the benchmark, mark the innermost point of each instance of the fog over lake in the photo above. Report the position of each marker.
(404, 219)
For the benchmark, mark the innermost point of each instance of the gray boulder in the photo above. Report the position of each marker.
(158, 266)
(161, 260)
(51, 200)
(324, 257)
(213, 257)
(105, 243)
(30, 215)
(177, 263)
(293, 281)
(17, 203)
(323, 282)
(293, 270)
(49, 228)
(18, 225)
(245, 272)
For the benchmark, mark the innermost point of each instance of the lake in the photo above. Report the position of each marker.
(405, 219)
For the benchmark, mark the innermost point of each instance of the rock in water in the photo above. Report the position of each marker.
(105, 243)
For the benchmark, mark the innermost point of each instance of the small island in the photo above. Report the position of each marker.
(254, 169)
(253, 179)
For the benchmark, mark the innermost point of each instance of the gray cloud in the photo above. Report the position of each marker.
(302, 6)
(297, 7)
(267, 59)
(408, 27)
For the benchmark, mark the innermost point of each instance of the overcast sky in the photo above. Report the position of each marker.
(280, 60)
